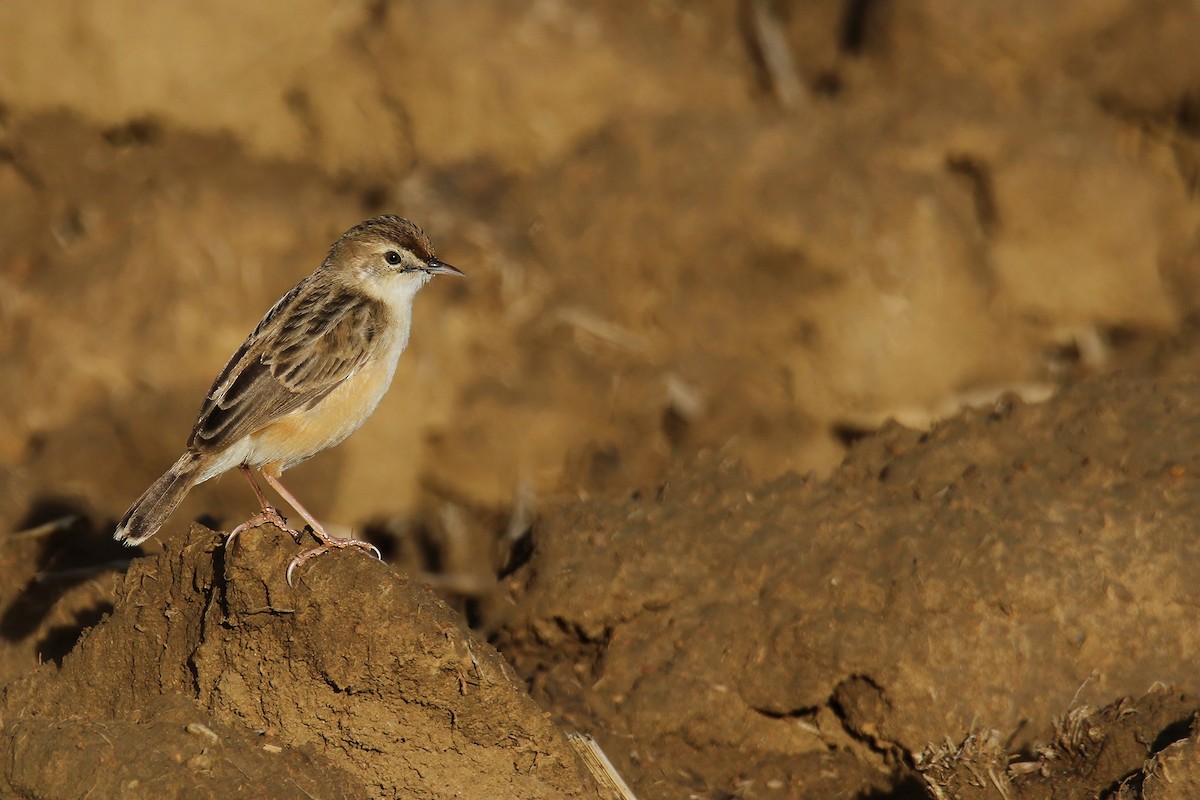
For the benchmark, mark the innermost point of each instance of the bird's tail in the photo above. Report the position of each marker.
(157, 503)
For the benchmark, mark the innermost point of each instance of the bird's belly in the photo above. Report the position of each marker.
(304, 433)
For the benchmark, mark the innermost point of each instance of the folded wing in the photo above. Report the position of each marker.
(311, 341)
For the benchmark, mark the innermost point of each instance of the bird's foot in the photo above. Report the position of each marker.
(329, 543)
(268, 516)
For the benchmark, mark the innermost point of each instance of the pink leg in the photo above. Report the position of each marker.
(249, 476)
(327, 542)
(269, 515)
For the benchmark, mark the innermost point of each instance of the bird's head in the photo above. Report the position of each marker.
(387, 256)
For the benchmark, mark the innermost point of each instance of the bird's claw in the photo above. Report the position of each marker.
(268, 516)
(331, 543)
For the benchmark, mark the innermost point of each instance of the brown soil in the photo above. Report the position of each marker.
(1008, 566)
(691, 447)
(366, 685)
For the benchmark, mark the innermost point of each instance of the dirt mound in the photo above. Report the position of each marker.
(1004, 567)
(358, 683)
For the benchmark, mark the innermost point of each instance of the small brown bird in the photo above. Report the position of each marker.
(308, 376)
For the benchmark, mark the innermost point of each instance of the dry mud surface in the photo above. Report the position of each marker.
(362, 685)
(1005, 601)
(818, 419)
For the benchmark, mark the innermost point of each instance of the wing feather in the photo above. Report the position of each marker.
(312, 340)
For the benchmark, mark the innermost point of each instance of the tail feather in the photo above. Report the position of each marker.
(157, 503)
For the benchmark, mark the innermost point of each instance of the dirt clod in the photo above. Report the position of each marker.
(357, 669)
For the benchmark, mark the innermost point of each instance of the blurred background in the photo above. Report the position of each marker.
(756, 229)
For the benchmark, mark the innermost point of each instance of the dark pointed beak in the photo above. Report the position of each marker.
(435, 267)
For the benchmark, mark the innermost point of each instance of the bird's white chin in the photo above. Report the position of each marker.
(397, 289)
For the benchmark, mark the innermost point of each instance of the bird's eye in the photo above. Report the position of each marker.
(392, 257)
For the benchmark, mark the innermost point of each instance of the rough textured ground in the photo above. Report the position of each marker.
(356, 663)
(1021, 562)
(644, 448)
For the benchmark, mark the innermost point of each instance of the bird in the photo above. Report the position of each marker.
(308, 376)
